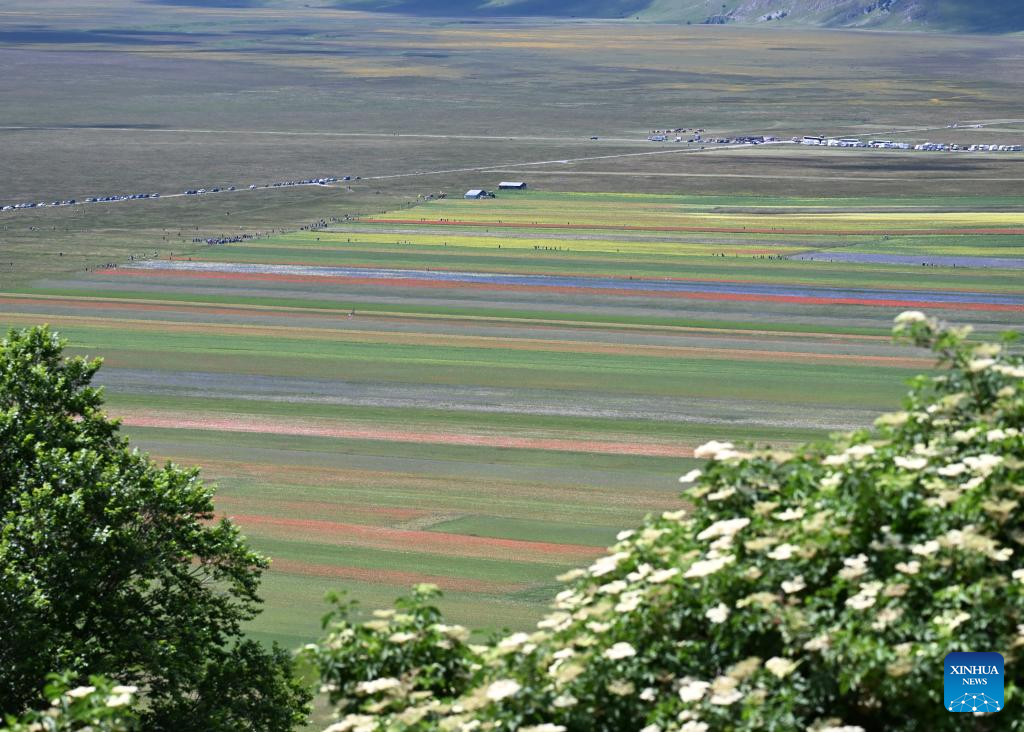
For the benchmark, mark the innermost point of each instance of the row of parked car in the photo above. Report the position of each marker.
(189, 192)
(72, 201)
(307, 182)
(278, 184)
(200, 191)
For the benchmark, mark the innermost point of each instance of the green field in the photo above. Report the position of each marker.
(371, 423)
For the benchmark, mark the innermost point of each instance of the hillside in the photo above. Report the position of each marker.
(980, 16)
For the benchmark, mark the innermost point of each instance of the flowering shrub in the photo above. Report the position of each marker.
(102, 706)
(818, 589)
(402, 654)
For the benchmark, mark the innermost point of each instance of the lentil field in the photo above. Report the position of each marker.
(480, 394)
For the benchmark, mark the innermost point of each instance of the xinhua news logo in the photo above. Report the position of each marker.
(974, 682)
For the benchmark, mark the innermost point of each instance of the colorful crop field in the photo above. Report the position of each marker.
(480, 394)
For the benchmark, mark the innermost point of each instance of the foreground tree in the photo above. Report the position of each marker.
(815, 589)
(112, 565)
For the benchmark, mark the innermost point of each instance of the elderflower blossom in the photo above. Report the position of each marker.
(354, 723)
(951, 622)
(662, 575)
(911, 463)
(1014, 372)
(629, 601)
(781, 667)
(923, 550)
(693, 690)
(859, 452)
(854, 567)
(893, 419)
(455, 632)
(861, 601)
(557, 622)
(783, 552)
(513, 641)
(983, 464)
(962, 436)
(718, 614)
(382, 684)
(620, 651)
(910, 316)
(724, 691)
(711, 449)
(503, 689)
(722, 494)
(886, 617)
(831, 481)
(640, 572)
(818, 643)
(620, 687)
(794, 585)
(607, 564)
(706, 567)
(726, 527)
(690, 477)
(572, 575)
(790, 514)
(867, 596)
(1001, 555)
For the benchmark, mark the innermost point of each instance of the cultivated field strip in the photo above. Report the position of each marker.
(665, 287)
(481, 393)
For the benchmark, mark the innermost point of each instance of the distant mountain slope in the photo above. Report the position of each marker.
(981, 16)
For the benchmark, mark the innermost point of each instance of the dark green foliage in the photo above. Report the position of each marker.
(110, 564)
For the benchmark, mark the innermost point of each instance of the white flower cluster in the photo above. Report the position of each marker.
(119, 696)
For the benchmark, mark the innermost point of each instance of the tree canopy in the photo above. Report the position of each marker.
(817, 588)
(112, 565)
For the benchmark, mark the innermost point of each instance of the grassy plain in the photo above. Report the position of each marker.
(484, 433)
(372, 423)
